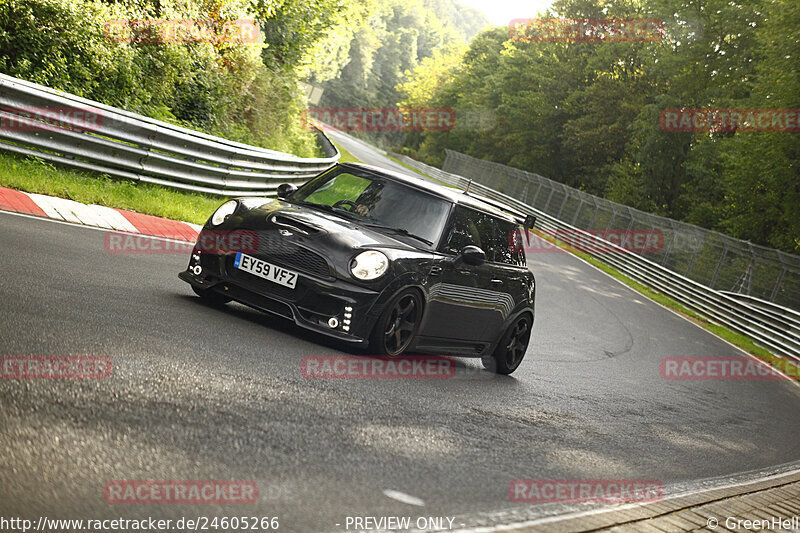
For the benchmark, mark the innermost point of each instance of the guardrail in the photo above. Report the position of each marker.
(788, 316)
(773, 332)
(134, 147)
(711, 258)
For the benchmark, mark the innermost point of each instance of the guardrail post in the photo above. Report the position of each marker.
(694, 254)
(633, 219)
(668, 251)
(550, 197)
(778, 284)
(524, 196)
(594, 213)
(536, 196)
(611, 220)
(719, 264)
(577, 212)
(563, 203)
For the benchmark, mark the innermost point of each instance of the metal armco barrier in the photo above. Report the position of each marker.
(711, 258)
(134, 147)
(778, 333)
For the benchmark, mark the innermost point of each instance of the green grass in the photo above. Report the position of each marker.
(345, 156)
(738, 340)
(37, 176)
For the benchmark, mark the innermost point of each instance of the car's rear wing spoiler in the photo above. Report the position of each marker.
(527, 221)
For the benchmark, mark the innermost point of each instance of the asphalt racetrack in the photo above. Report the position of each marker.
(199, 393)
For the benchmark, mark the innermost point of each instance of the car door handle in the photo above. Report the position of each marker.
(497, 282)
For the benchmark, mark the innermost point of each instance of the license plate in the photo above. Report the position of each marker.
(265, 270)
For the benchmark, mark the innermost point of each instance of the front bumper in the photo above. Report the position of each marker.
(311, 304)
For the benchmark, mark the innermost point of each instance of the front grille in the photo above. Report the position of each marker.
(263, 286)
(275, 249)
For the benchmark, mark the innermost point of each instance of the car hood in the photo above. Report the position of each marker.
(318, 228)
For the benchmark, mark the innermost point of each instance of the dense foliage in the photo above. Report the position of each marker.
(398, 37)
(587, 113)
(246, 91)
(584, 113)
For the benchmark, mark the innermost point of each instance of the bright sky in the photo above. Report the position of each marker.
(501, 12)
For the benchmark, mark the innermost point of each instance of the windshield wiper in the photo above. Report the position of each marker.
(324, 207)
(401, 231)
(329, 209)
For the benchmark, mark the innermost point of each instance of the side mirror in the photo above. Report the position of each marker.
(285, 189)
(530, 221)
(472, 255)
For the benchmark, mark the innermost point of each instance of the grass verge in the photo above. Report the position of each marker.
(346, 156)
(738, 340)
(37, 176)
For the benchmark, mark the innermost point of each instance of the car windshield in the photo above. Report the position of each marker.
(378, 202)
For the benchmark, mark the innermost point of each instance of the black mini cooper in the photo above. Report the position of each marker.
(376, 258)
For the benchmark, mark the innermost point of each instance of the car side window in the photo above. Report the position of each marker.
(461, 232)
(492, 235)
(507, 248)
(467, 227)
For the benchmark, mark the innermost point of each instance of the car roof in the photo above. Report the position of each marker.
(454, 195)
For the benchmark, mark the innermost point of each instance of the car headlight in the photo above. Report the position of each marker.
(369, 265)
(224, 211)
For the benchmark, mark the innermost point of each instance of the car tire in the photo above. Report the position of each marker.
(510, 351)
(211, 297)
(397, 326)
